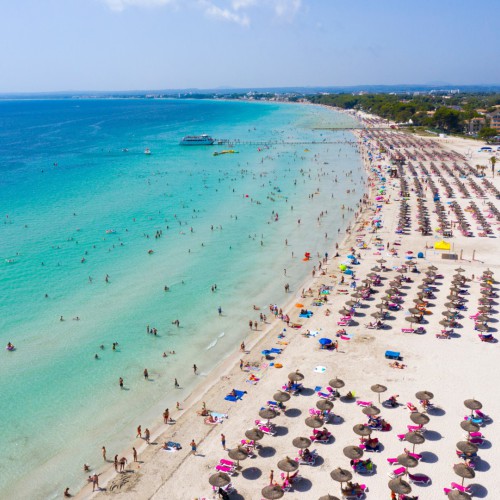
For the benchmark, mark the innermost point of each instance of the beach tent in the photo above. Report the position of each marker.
(442, 245)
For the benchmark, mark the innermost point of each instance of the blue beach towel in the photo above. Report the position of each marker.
(239, 395)
(308, 314)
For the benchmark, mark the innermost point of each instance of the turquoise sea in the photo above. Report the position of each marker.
(80, 200)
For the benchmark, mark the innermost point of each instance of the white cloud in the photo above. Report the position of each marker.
(235, 11)
(120, 5)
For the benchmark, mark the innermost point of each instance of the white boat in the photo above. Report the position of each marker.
(147, 151)
(197, 140)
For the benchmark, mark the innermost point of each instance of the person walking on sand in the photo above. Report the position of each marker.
(134, 454)
(139, 432)
(166, 415)
(223, 441)
(116, 463)
(147, 435)
(95, 482)
(241, 364)
(104, 453)
(195, 369)
(193, 447)
(271, 477)
(176, 384)
(123, 462)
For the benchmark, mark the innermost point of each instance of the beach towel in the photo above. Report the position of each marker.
(219, 416)
(233, 399)
(320, 369)
(313, 333)
(317, 388)
(308, 314)
(275, 350)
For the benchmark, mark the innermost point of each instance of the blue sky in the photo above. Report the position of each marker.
(50, 45)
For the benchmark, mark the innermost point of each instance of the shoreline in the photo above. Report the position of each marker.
(229, 365)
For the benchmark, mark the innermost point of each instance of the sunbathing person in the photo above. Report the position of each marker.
(307, 455)
(323, 434)
(398, 365)
(392, 401)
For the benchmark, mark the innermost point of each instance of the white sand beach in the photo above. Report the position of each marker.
(453, 369)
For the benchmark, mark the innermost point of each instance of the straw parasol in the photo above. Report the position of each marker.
(482, 318)
(219, 480)
(381, 261)
(288, 465)
(464, 472)
(340, 475)
(424, 395)
(399, 486)
(344, 311)
(336, 383)
(281, 396)
(238, 454)
(254, 434)
(371, 410)
(433, 268)
(414, 310)
(353, 452)
(377, 315)
(295, 376)
(414, 438)
(407, 461)
(418, 301)
(351, 303)
(445, 322)
(324, 404)
(419, 418)
(460, 270)
(458, 495)
(357, 295)
(328, 497)
(301, 442)
(382, 306)
(272, 492)
(314, 422)
(267, 413)
(411, 319)
(362, 430)
(466, 447)
(378, 388)
(472, 404)
(448, 314)
(376, 269)
(482, 328)
(469, 426)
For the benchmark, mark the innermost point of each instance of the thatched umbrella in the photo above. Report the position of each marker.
(464, 472)
(371, 410)
(336, 383)
(301, 442)
(357, 295)
(328, 497)
(382, 306)
(288, 465)
(344, 311)
(414, 310)
(473, 404)
(448, 314)
(238, 454)
(466, 447)
(482, 318)
(419, 300)
(376, 269)
(362, 430)
(433, 268)
(482, 328)
(353, 452)
(315, 422)
(399, 486)
(340, 475)
(378, 388)
(381, 261)
(351, 303)
(419, 418)
(445, 322)
(324, 405)
(424, 395)
(450, 305)
(458, 495)
(469, 426)
(281, 396)
(407, 461)
(267, 413)
(372, 275)
(414, 438)
(219, 480)
(295, 376)
(272, 492)
(254, 434)
(411, 319)
(460, 270)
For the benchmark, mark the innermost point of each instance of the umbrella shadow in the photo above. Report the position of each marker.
(303, 485)
(319, 461)
(267, 451)
(252, 473)
(485, 445)
(479, 490)
(436, 412)
(293, 413)
(433, 436)
(307, 391)
(237, 496)
(347, 400)
(482, 465)
(281, 430)
(429, 458)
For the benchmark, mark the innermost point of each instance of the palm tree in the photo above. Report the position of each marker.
(493, 161)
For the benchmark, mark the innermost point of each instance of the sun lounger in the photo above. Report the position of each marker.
(224, 468)
(407, 330)
(411, 407)
(364, 404)
(227, 463)
(397, 472)
(419, 479)
(459, 487)
(482, 415)
(392, 461)
(416, 428)
(474, 435)
(324, 395)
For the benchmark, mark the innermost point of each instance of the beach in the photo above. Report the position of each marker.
(453, 369)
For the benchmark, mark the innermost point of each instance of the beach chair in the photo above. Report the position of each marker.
(397, 472)
(411, 407)
(463, 489)
(324, 395)
(474, 435)
(407, 330)
(224, 468)
(227, 463)
(364, 404)
(419, 479)
(392, 461)
(482, 415)
(416, 428)
(475, 420)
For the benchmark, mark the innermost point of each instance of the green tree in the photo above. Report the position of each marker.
(487, 133)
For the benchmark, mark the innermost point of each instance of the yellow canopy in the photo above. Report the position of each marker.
(442, 245)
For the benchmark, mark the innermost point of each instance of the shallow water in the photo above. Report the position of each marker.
(65, 181)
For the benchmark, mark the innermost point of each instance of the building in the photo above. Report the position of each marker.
(475, 125)
(495, 120)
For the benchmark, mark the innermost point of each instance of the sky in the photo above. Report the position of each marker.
(64, 45)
